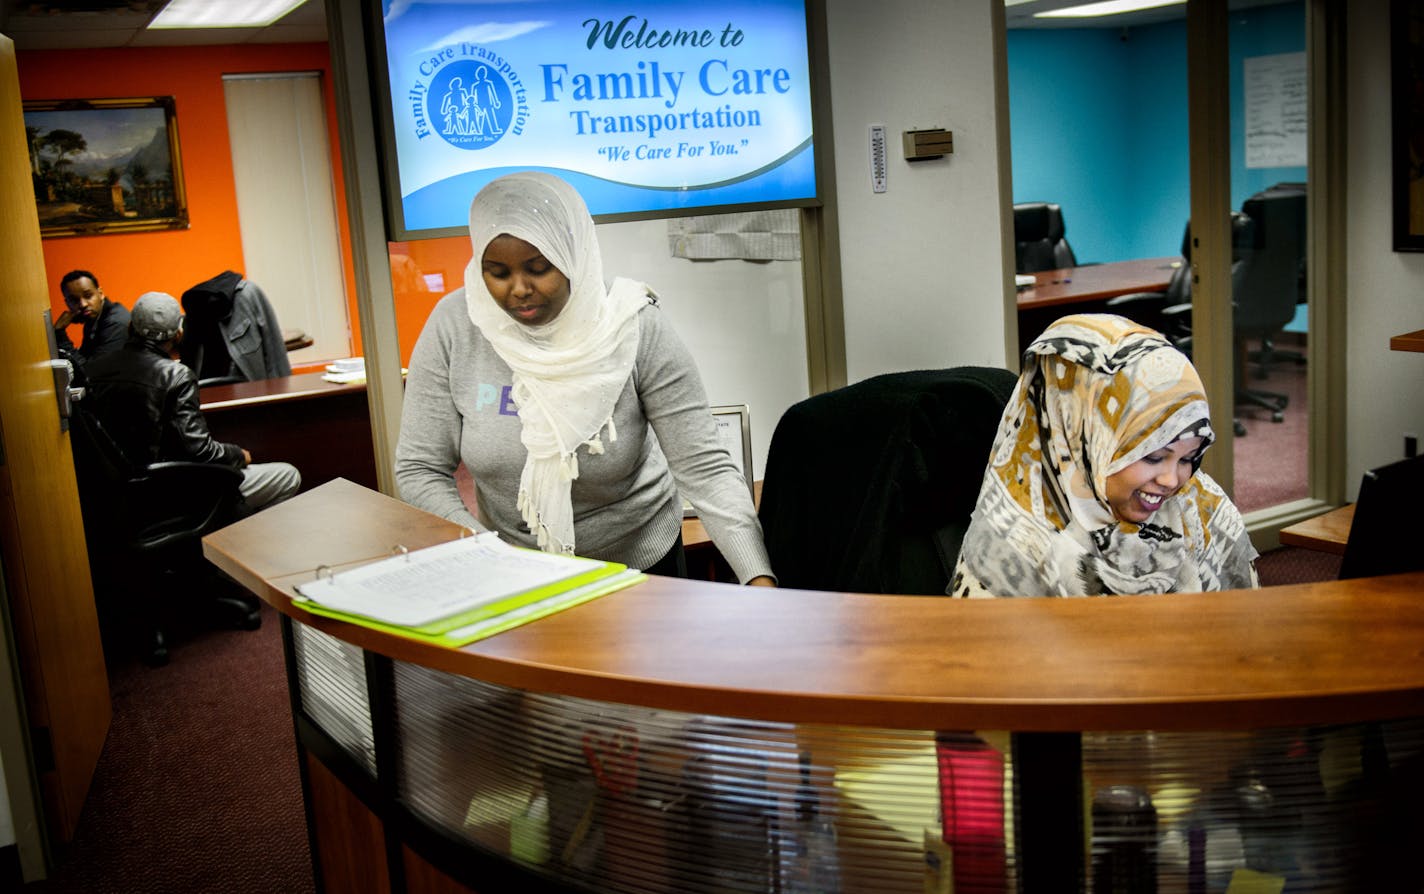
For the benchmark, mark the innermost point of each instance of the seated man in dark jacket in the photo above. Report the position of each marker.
(148, 402)
(106, 322)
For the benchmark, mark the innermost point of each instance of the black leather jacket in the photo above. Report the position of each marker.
(149, 404)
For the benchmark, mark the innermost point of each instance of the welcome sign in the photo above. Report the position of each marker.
(644, 106)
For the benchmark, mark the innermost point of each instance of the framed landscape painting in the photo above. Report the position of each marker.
(105, 165)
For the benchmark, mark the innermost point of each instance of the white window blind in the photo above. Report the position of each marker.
(286, 203)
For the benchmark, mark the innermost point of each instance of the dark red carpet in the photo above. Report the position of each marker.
(1271, 456)
(197, 788)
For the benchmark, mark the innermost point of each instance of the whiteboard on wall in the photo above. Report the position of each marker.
(1275, 110)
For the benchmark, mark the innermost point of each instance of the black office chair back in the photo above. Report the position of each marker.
(143, 528)
(1039, 240)
(149, 508)
(869, 488)
(1169, 312)
(1268, 289)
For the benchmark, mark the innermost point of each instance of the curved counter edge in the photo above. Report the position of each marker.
(1342, 651)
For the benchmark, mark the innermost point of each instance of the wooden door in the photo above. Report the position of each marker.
(52, 614)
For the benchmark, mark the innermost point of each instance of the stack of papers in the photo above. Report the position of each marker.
(343, 372)
(463, 590)
(1021, 280)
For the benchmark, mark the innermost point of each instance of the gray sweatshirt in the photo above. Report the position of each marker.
(626, 502)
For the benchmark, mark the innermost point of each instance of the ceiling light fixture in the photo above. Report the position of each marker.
(1107, 8)
(222, 13)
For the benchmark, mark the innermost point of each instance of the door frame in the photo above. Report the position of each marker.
(1208, 98)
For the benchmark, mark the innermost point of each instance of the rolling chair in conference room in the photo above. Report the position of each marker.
(869, 488)
(1267, 288)
(1259, 306)
(1294, 195)
(1039, 241)
(1169, 311)
(143, 530)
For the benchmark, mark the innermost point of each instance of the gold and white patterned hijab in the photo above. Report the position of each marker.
(1097, 394)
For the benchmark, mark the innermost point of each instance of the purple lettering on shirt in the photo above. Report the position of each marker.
(506, 404)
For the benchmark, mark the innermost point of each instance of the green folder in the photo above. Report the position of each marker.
(482, 623)
(462, 590)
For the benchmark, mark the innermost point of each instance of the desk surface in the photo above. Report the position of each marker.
(1097, 282)
(1409, 341)
(1326, 533)
(1330, 652)
(299, 387)
(322, 428)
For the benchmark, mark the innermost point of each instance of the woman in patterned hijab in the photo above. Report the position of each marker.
(1094, 484)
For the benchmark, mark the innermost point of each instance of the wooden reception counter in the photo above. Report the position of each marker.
(688, 736)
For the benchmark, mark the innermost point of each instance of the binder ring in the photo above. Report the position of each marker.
(401, 550)
(323, 571)
(468, 531)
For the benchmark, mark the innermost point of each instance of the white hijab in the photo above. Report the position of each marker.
(569, 372)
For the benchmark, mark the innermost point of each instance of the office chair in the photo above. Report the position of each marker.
(143, 526)
(1039, 241)
(1290, 231)
(1267, 290)
(1169, 312)
(869, 488)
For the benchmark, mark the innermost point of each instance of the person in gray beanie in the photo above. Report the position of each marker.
(148, 402)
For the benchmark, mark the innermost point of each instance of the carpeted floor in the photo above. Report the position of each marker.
(197, 789)
(1271, 457)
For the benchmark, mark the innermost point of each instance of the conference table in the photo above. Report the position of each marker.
(692, 736)
(323, 428)
(1091, 283)
(1086, 289)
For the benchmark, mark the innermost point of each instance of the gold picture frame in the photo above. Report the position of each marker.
(105, 165)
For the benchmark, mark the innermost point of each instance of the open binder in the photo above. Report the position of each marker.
(461, 591)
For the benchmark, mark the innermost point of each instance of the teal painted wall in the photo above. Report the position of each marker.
(1098, 123)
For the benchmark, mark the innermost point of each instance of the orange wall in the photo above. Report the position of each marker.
(129, 264)
(411, 264)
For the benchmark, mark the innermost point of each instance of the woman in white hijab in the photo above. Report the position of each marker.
(578, 412)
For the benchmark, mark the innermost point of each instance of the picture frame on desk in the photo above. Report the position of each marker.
(1407, 100)
(734, 431)
(103, 166)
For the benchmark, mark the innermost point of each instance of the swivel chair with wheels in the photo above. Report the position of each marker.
(1039, 240)
(869, 488)
(1264, 284)
(143, 530)
(1267, 292)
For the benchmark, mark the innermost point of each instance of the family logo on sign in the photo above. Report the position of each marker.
(473, 99)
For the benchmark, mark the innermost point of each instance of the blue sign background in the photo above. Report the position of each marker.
(648, 106)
